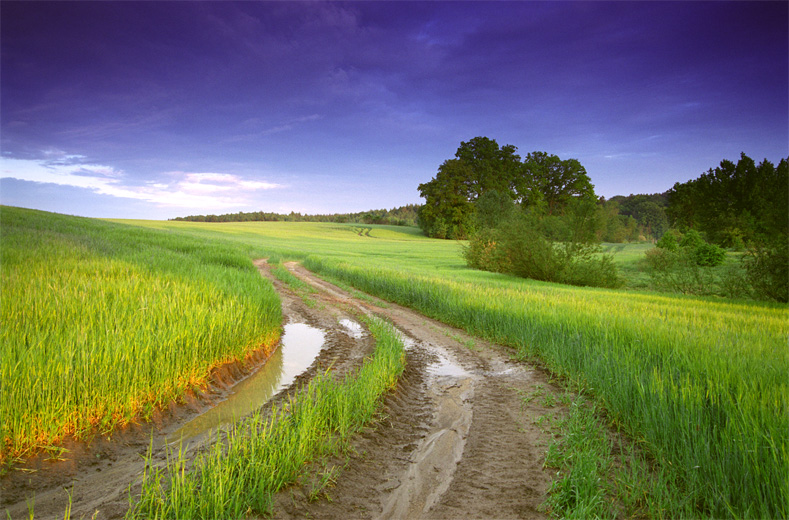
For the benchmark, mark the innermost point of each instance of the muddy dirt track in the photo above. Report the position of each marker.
(456, 438)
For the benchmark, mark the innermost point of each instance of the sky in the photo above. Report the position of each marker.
(164, 109)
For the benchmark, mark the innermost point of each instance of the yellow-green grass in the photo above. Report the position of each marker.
(701, 383)
(101, 322)
(238, 475)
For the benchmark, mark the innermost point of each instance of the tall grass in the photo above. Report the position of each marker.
(703, 384)
(101, 322)
(239, 475)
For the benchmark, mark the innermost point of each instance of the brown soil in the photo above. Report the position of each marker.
(456, 438)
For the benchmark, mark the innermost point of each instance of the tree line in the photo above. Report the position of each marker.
(741, 206)
(539, 217)
(401, 216)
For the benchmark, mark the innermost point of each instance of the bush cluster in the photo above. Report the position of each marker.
(767, 270)
(531, 245)
(688, 264)
(683, 262)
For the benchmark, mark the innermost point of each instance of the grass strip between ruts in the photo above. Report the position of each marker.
(239, 474)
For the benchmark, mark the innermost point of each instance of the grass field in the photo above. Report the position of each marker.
(701, 383)
(102, 322)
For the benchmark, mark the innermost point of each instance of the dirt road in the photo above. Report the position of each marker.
(460, 436)
(460, 439)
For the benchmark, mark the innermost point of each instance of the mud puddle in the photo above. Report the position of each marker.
(353, 328)
(98, 477)
(432, 464)
(300, 345)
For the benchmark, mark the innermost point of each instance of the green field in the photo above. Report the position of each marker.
(701, 384)
(101, 323)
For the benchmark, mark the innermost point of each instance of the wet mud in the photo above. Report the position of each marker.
(454, 439)
(458, 438)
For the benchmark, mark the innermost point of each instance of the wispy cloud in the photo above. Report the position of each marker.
(269, 130)
(177, 189)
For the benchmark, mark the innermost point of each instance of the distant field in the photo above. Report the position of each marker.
(102, 322)
(701, 383)
(406, 246)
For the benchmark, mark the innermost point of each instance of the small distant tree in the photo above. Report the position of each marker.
(670, 240)
(613, 226)
(652, 218)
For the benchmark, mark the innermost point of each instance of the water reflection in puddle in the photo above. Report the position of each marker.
(446, 367)
(300, 345)
(408, 343)
(353, 328)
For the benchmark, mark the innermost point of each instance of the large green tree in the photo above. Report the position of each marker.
(548, 180)
(542, 181)
(480, 165)
(447, 209)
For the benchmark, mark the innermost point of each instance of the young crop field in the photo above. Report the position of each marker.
(111, 319)
(101, 322)
(702, 384)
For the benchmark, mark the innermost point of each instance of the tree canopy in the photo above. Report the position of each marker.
(447, 201)
(490, 167)
(734, 203)
(553, 182)
(481, 166)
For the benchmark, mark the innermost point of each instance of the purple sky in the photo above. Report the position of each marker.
(164, 109)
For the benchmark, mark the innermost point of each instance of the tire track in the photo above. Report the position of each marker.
(480, 452)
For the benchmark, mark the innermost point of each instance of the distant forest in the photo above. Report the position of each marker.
(402, 216)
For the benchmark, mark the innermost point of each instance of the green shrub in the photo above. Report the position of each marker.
(483, 252)
(708, 255)
(682, 263)
(691, 239)
(518, 246)
(678, 271)
(670, 240)
(767, 270)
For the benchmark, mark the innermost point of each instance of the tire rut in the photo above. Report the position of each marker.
(465, 442)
